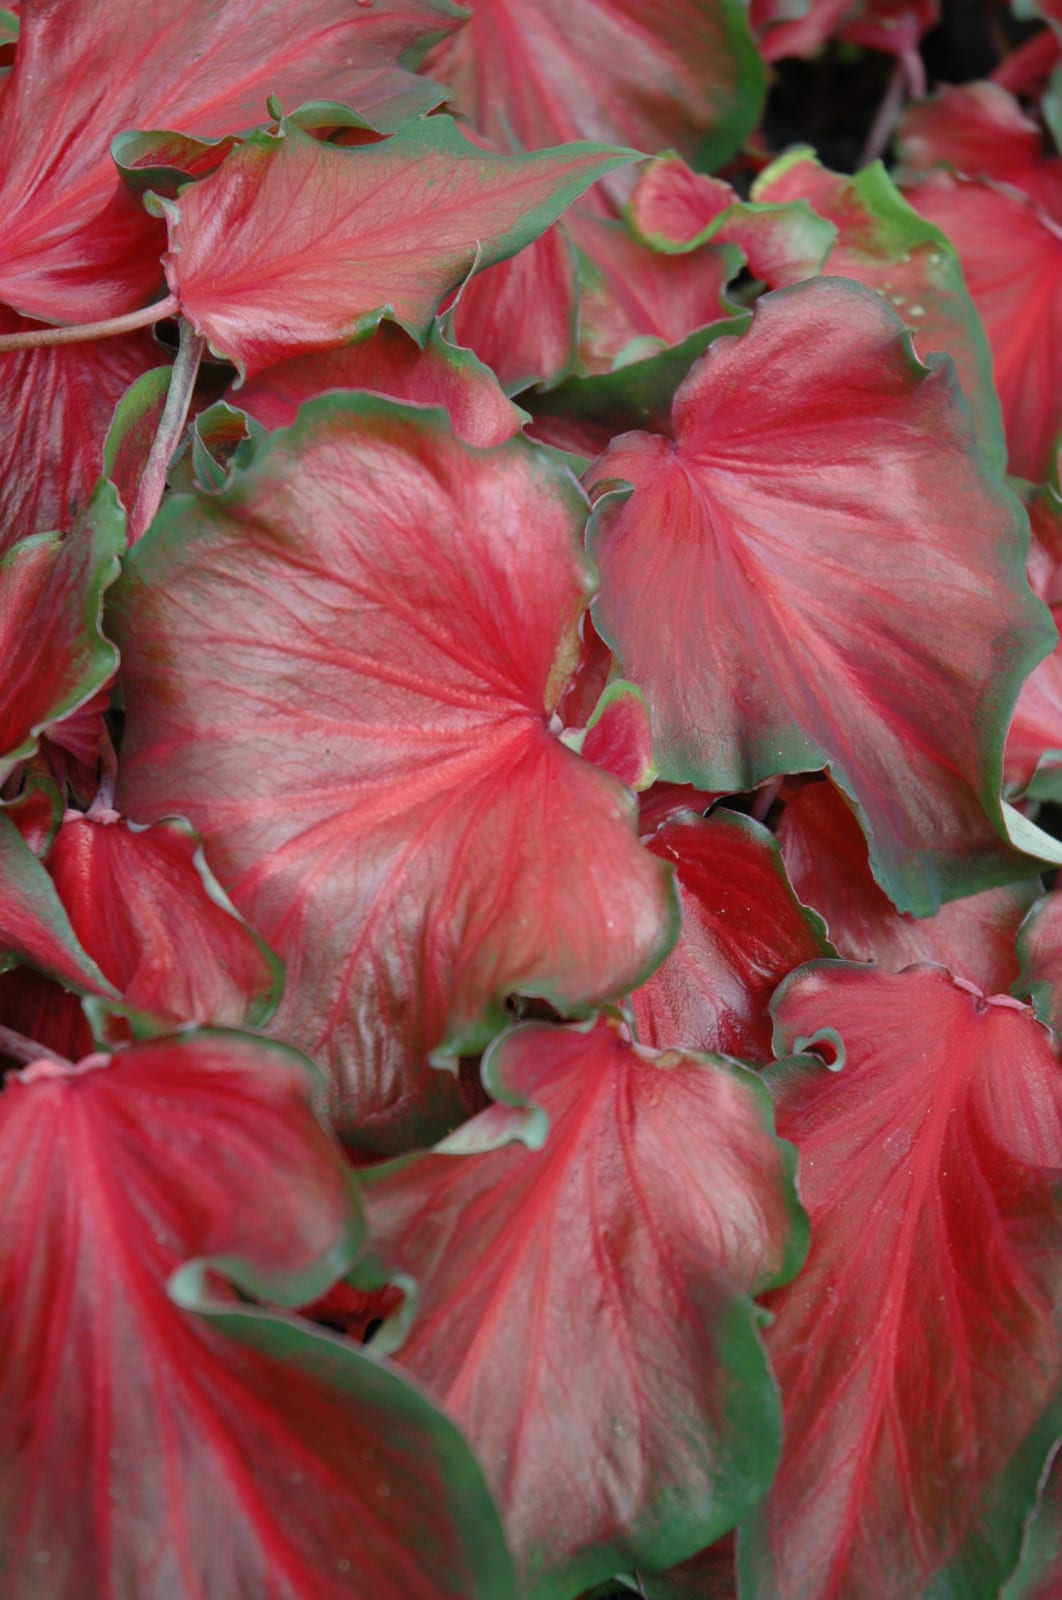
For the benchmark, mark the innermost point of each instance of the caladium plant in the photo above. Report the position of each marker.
(530, 975)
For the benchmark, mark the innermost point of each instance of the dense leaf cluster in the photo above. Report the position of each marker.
(528, 756)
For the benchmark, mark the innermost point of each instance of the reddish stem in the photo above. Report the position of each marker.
(167, 435)
(82, 333)
(20, 1048)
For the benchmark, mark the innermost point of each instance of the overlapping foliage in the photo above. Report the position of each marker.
(529, 1004)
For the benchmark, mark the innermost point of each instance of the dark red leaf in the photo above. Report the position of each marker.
(349, 692)
(519, 316)
(77, 243)
(148, 1451)
(743, 931)
(389, 363)
(684, 75)
(146, 907)
(618, 737)
(34, 925)
(295, 245)
(56, 406)
(51, 598)
(917, 1352)
(771, 584)
(826, 857)
(583, 1310)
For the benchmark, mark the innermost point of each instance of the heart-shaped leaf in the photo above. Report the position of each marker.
(583, 1309)
(347, 686)
(771, 584)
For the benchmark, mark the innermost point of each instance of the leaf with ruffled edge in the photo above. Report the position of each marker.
(392, 364)
(743, 931)
(773, 581)
(918, 1352)
(825, 855)
(150, 1450)
(883, 242)
(77, 243)
(295, 245)
(343, 668)
(583, 1305)
(51, 599)
(146, 907)
(683, 75)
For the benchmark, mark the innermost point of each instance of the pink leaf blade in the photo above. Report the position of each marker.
(121, 884)
(237, 1451)
(267, 276)
(743, 931)
(78, 244)
(762, 670)
(919, 1366)
(51, 602)
(660, 1248)
(411, 813)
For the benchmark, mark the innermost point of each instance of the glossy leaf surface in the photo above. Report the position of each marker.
(295, 245)
(389, 363)
(146, 907)
(520, 315)
(981, 131)
(232, 1457)
(612, 1437)
(77, 242)
(917, 1352)
(684, 76)
(825, 855)
(883, 242)
(801, 504)
(356, 719)
(51, 598)
(743, 931)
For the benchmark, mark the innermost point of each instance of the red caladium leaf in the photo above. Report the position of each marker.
(825, 855)
(885, 244)
(34, 924)
(37, 809)
(1033, 756)
(612, 1438)
(519, 316)
(894, 26)
(685, 76)
(389, 363)
(991, 227)
(917, 1353)
(50, 471)
(618, 736)
(77, 242)
(388, 805)
(51, 596)
(231, 1456)
(818, 437)
(743, 931)
(121, 885)
(982, 132)
(295, 245)
(676, 210)
(634, 300)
